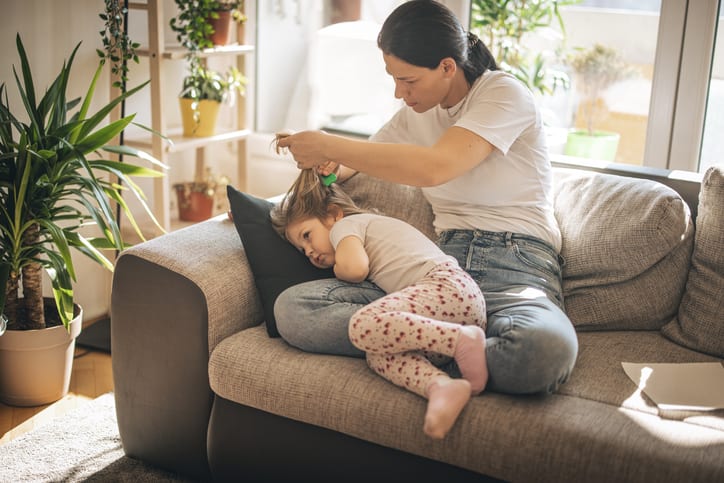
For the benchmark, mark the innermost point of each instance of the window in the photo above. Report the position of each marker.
(712, 148)
(666, 113)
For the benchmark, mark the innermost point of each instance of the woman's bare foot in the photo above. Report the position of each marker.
(470, 357)
(446, 399)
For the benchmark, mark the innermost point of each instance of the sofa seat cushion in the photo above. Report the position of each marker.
(565, 437)
(598, 374)
(627, 248)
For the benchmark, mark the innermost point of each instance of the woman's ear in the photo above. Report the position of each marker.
(448, 66)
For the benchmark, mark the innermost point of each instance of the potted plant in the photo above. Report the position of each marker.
(197, 199)
(228, 12)
(201, 24)
(596, 69)
(506, 28)
(202, 93)
(52, 187)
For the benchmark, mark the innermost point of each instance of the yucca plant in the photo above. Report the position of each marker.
(53, 182)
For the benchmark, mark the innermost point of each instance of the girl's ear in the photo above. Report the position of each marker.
(336, 212)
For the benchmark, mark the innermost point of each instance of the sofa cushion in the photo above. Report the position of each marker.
(275, 263)
(396, 200)
(700, 321)
(513, 438)
(626, 249)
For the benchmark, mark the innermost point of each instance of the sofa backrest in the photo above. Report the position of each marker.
(626, 242)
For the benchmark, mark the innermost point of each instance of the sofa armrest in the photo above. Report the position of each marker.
(174, 299)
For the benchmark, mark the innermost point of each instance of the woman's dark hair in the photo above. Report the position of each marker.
(423, 32)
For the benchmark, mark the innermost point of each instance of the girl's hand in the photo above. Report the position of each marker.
(307, 147)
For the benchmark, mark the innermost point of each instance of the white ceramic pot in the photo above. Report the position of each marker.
(35, 365)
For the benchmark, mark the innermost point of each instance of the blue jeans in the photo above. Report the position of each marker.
(531, 345)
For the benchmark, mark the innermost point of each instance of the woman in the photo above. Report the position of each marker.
(472, 137)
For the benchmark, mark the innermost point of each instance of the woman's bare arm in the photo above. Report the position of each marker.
(455, 153)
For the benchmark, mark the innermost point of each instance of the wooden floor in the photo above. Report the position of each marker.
(91, 377)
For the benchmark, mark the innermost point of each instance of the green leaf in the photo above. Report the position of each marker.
(4, 277)
(62, 293)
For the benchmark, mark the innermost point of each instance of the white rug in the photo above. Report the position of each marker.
(81, 445)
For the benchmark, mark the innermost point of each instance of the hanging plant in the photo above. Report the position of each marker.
(117, 45)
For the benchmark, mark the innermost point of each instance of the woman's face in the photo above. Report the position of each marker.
(421, 88)
(311, 237)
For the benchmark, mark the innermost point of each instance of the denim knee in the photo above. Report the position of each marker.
(530, 351)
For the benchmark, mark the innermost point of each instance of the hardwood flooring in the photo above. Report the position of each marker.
(91, 377)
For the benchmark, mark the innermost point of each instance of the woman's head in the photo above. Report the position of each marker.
(424, 32)
(307, 210)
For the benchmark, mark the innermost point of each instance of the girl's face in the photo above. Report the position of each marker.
(311, 237)
(421, 88)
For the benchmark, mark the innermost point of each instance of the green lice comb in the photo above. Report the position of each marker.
(329, 179)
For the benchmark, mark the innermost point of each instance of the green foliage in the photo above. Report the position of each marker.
(209, 84)
(51, 186)
(504, 26)
(117, 46)
(597, 68)
(193, 31)
(192, 26)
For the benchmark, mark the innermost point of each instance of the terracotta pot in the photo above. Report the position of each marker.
(35, 365)
(208, 113)
(193, 204)
(222, 28)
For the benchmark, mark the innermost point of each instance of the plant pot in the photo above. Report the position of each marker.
(194, 202)
(208, 113)
(599, 145)
(35, 365)
(222, 28)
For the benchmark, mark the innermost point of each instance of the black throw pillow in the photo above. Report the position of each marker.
(275, 263)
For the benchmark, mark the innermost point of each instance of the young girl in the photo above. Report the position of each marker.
(433, 310)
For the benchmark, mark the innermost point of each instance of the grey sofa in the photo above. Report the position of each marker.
(202, 390)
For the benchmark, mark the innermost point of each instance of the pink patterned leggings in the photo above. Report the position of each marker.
(408, 333)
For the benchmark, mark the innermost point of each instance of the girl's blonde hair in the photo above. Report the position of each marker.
(308, 198)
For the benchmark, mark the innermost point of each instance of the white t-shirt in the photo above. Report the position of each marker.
(399, 254)
(511, 190)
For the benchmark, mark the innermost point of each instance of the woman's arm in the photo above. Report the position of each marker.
(456, 152)
(351, 262)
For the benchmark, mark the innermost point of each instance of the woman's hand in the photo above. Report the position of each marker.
(307, 147)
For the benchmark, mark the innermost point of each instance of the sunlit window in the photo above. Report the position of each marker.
(623, 81)
(712, 148)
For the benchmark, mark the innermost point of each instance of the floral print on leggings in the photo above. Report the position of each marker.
(409, 333)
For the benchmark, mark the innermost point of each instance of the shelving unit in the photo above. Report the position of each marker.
(159, 55)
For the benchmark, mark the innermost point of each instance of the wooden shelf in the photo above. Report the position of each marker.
(178, 142)
(179, 53)
(159, 55)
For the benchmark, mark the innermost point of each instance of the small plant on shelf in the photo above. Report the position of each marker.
(194, 22)
(202, 93)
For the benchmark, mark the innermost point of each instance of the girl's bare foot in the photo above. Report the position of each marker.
(470, 357)
(446, 399)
